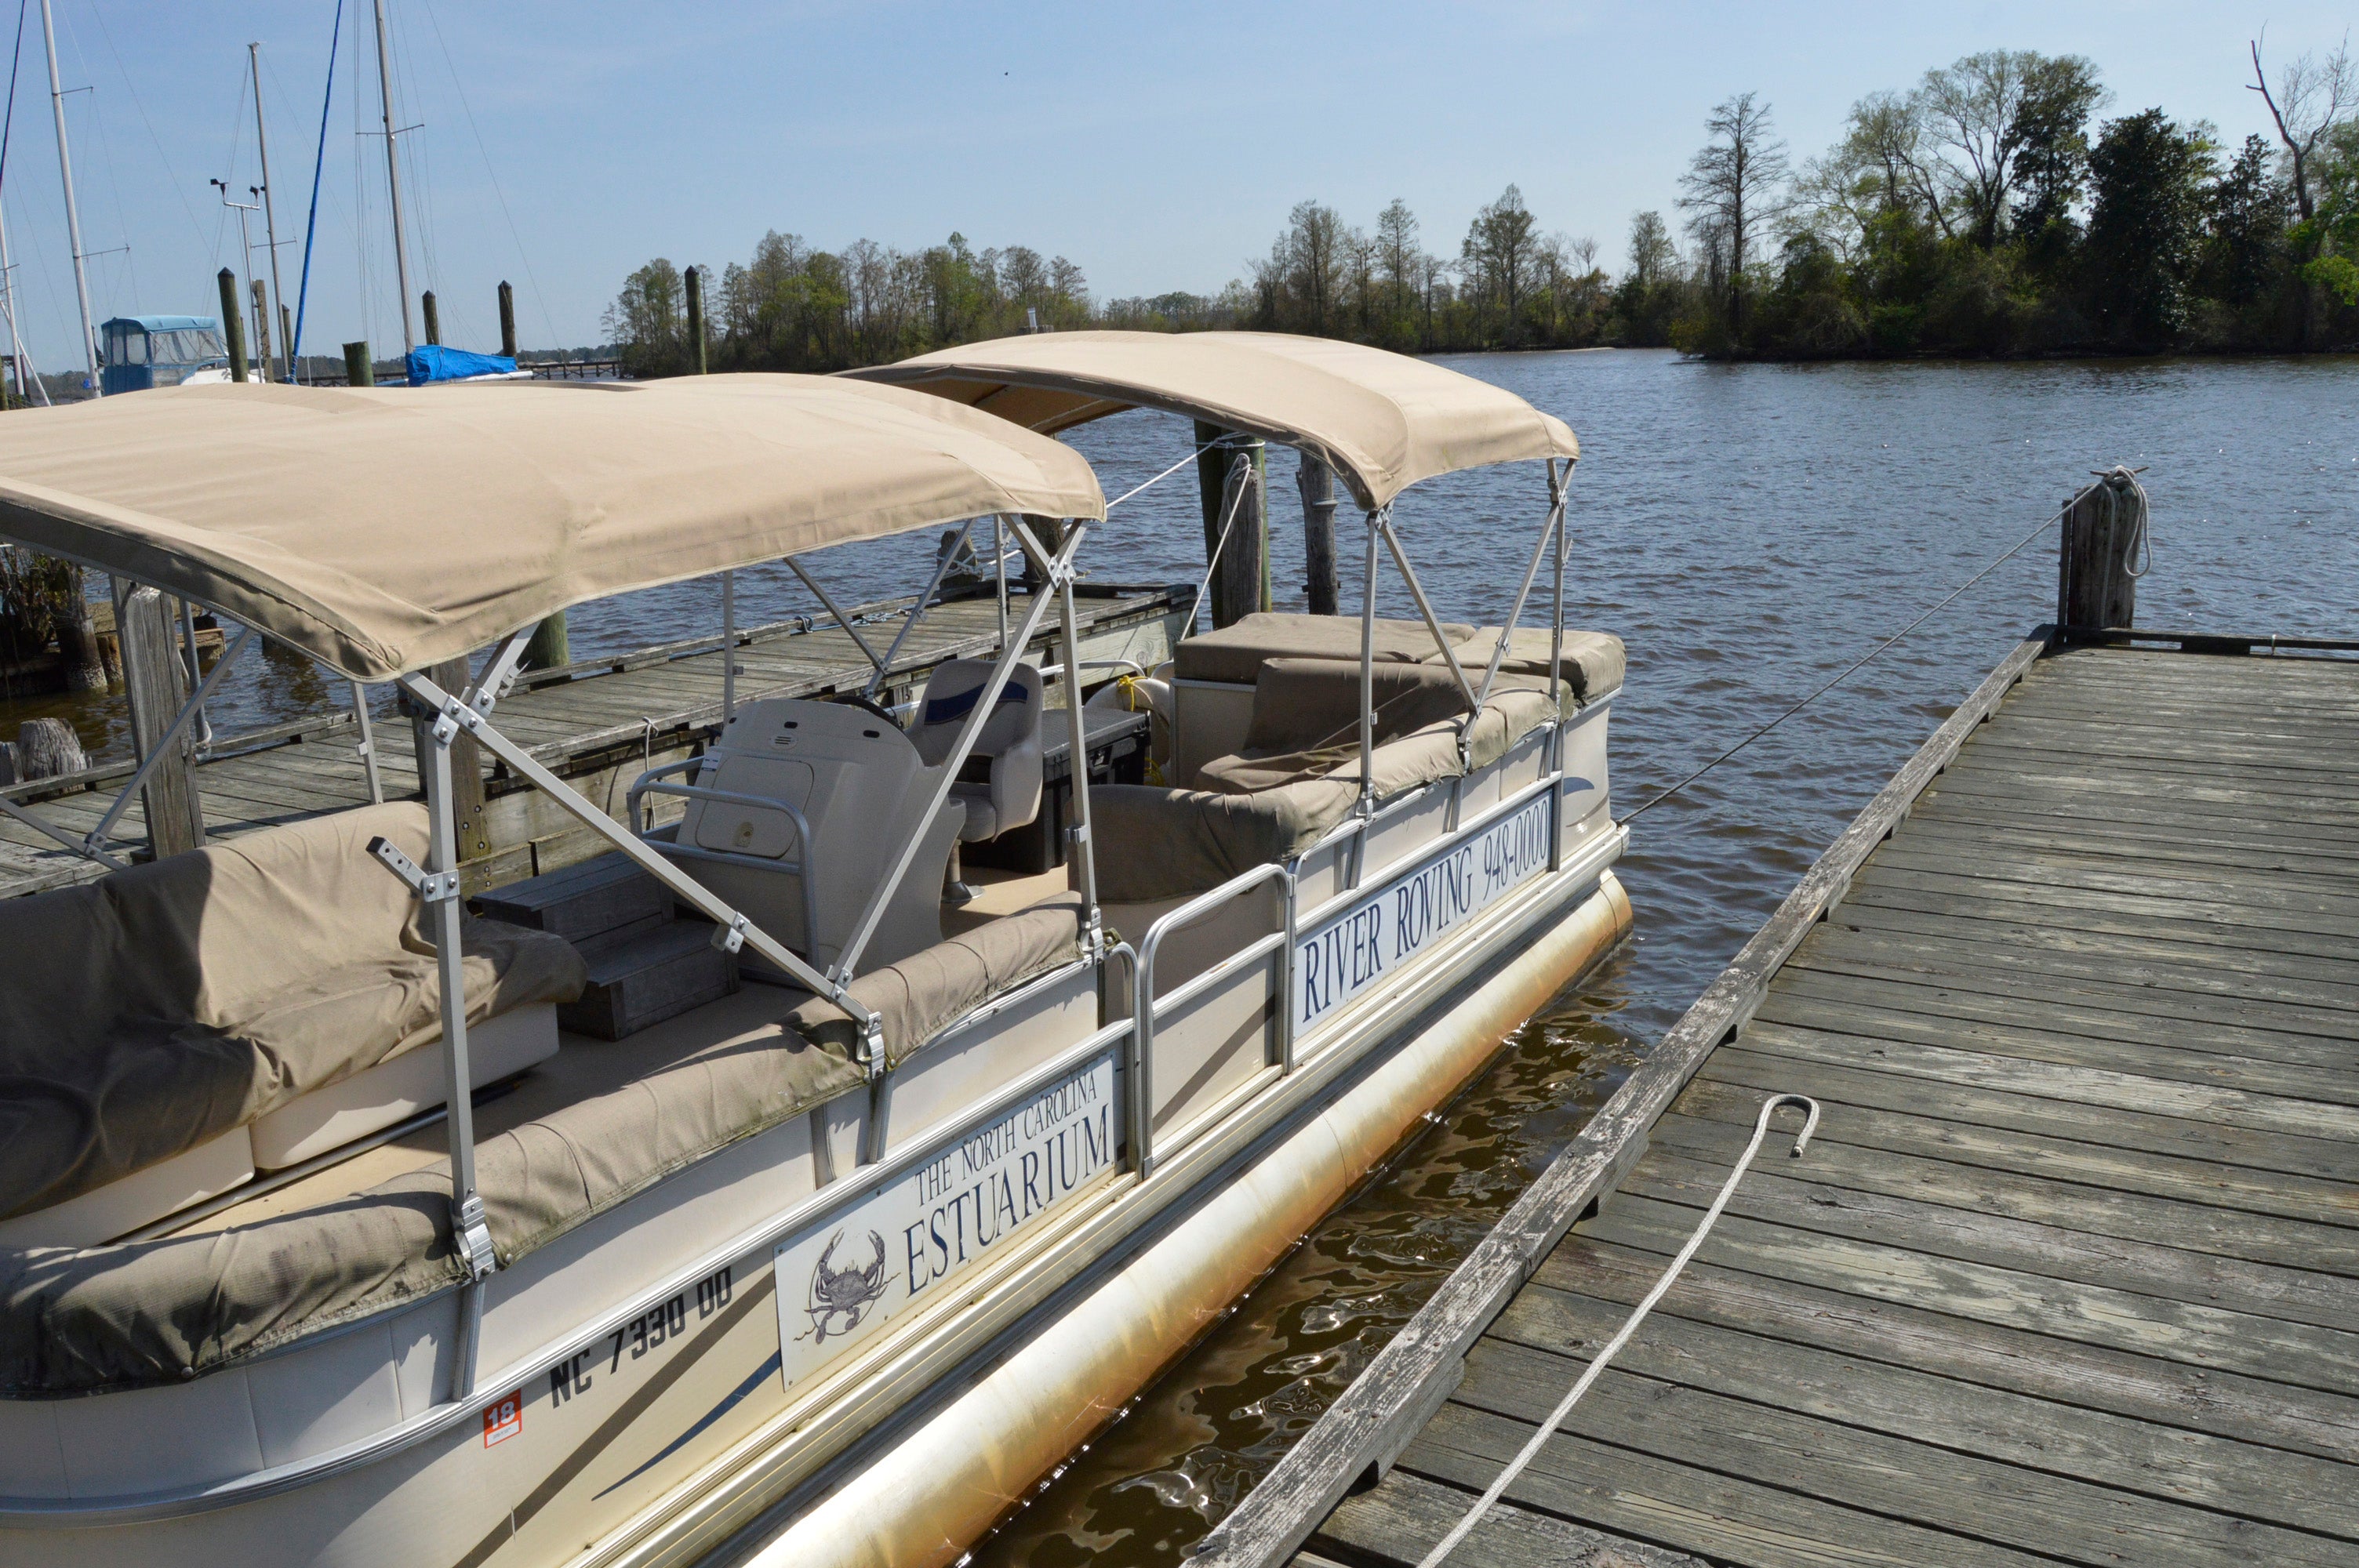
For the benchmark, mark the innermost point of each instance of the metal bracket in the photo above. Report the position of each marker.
(872, 1047)
(471, 1229)
(431, 887)
(1077, 834)
(731, 938)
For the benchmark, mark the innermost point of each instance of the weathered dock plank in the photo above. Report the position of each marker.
(2070, 1274)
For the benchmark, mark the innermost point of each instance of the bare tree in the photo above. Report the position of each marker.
(1988, 107)
(1398, 250)
(1501, 254)
(2313, 97)
(1731, 187)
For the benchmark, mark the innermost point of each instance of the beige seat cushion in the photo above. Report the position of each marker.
(1593, 661)
(157, 1313)
(157, 1007)
(1233, 654)
(917, 997)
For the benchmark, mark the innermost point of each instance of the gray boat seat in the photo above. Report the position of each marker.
(860, 786)
(1007, 751)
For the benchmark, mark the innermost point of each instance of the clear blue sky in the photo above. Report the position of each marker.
(1158, 147)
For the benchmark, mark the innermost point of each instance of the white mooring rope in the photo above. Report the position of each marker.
(1459, 1531)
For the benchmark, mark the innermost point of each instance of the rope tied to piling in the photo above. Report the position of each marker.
(1597, 1363)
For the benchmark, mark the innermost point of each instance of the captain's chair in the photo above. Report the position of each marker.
(1008, 752)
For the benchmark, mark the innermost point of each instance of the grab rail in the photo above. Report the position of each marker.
(1143, 1005)
(651, 782)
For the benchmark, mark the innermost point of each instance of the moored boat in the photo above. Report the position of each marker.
(337, 1230)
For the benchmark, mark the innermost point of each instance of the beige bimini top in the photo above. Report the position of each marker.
(385, 529)
(1381, 421)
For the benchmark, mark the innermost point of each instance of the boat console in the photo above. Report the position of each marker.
(796, 815)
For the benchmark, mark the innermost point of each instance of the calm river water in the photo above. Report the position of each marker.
(1748, 531)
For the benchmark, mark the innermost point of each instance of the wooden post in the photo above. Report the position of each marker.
(287, 337)
(1240, 580)
(551, 645)
(233, 324)
(466, 760)
(151, 677)
(1050, 532)
(433, 318)
(1317, 482)
(507, 320)
(78, 638)
(2103, 533)
(696, 318)
(261, 329)
(359, 369)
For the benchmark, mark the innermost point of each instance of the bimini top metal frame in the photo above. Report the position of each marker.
(383, 533)
(1381, 421)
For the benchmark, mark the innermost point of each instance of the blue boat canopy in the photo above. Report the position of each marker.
(434, 361)
(158, 350)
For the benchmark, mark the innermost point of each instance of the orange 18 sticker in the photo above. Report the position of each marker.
(503, 1418)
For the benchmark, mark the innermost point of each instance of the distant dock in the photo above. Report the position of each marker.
(604, 721)
(2071, 1273)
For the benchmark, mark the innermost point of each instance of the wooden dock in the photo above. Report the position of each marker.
(2070, 1273)
(598, 723)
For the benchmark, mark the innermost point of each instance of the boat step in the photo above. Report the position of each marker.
(600, 897)
(641, 977)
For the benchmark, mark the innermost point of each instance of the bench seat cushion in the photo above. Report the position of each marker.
(924, 993)
(175, 1000)
(1593, 661)
(148, 1313)
(1233, 654)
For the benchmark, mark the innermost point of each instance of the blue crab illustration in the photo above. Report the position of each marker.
(846, 1293)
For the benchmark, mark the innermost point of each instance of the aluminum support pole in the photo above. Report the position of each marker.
(1084, 842)
(164, 742)
(469, 1229)
(842, 620)
(985, 702)
(1425, 608)
(367, 747)
(917, 610)
(728, 647)
(1368, 684)
(1532, 571)
(999, 560)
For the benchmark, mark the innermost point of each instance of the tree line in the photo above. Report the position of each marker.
(1993, 209)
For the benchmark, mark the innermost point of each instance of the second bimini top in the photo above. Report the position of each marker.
(384, 530)
(1381, 421)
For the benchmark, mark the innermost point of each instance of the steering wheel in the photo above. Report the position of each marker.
(882, 712)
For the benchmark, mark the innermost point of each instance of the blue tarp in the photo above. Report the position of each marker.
(433, 362)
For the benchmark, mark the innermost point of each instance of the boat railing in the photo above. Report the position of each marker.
(1148, 1008)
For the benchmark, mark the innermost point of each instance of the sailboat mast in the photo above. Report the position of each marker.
(73, 218)
(24, 379)
(392, 174)
(269, 207)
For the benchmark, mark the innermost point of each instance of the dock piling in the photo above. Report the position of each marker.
(359, 369)
(695, 281)
(1317, 482)
(152, 680)
(2096, 575)
(434, 317)
(507, 320)
(233, 324)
